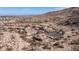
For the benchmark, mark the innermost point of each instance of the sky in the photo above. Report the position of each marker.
(13, 11)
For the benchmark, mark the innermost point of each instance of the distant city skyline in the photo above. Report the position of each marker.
(16, 11)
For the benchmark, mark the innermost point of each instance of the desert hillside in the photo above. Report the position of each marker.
(52, 31)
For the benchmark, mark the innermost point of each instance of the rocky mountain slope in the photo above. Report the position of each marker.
(53, 31)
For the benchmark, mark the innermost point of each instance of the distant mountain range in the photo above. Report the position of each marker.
(68, 16)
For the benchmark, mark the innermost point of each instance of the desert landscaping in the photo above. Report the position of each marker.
(52, 31)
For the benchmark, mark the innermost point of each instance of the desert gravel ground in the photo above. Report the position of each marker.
(54, 31)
